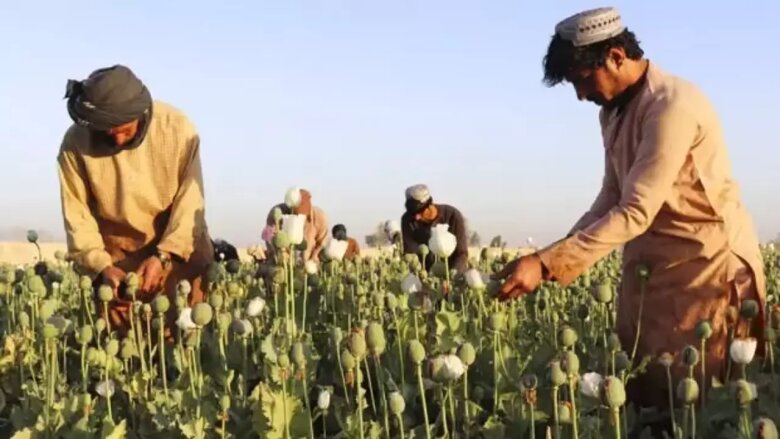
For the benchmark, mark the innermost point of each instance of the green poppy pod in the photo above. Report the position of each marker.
(161, 305)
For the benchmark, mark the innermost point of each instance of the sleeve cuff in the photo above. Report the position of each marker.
(559, 263)
(174, 250)
(96, 261)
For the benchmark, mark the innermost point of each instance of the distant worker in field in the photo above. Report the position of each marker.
(353, 248)
(421, 215)
(668, 195)
(315, 231)
(132, 190)
(224, 251)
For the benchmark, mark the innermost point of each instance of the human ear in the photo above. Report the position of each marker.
(615, 58)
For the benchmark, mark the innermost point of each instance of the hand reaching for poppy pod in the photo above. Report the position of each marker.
(151, 271)
(521, 276)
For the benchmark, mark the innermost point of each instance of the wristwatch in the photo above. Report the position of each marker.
(165, 258)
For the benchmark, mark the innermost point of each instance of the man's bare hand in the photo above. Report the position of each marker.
(113, 277)
(151, 273)
(521, 276)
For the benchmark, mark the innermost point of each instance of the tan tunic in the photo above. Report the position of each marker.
(668, 196)
(353, 249)
(117, 208)
(315, 232)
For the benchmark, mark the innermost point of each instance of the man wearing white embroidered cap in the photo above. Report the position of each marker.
(668, 197)
(297, 201)
(421, 215)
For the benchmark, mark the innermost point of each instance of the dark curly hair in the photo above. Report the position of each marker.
(338, 228)
(563, 57)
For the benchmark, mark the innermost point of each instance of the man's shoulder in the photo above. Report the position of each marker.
(667, 91)
(449, 210)
(319, 215)
(76, 140)
(169, 117)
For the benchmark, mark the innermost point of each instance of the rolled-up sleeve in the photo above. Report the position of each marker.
(670, 131)
(85, 243)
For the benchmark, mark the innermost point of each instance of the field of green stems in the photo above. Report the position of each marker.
(373, 348)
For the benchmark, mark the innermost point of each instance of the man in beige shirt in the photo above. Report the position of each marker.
(668, 198)
(132, 189)
(315, 234)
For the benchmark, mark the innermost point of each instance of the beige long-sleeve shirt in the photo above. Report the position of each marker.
(149, 196)
(667, 175)
(669, 199)
(315, 232)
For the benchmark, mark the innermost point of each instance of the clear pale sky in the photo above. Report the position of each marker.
(443, 92)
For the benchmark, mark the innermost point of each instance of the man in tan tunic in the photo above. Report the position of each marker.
(132, 190)
(298, 202)
(668, 197)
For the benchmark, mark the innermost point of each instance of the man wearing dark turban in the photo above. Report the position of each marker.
(420, 217)
(132, 190)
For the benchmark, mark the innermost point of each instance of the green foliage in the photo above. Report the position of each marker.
(259, 375)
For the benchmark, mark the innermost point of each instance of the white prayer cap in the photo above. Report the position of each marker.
(418, 192)
(591, 26)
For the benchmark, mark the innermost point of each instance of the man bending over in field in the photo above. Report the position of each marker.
(667, 195)
(418, 221)
(315, 231)
(132, 190)
(353, 248)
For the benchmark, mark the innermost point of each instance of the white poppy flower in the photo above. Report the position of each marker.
(310, 267)
(743, 350)
(442, 242)
(323, 400)
(255, 307)
(590, 384)
(336, 249)
(184, 322)
(475, 279)
(447, 367)
(105, 388)
(294, 226)
(411, 284)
